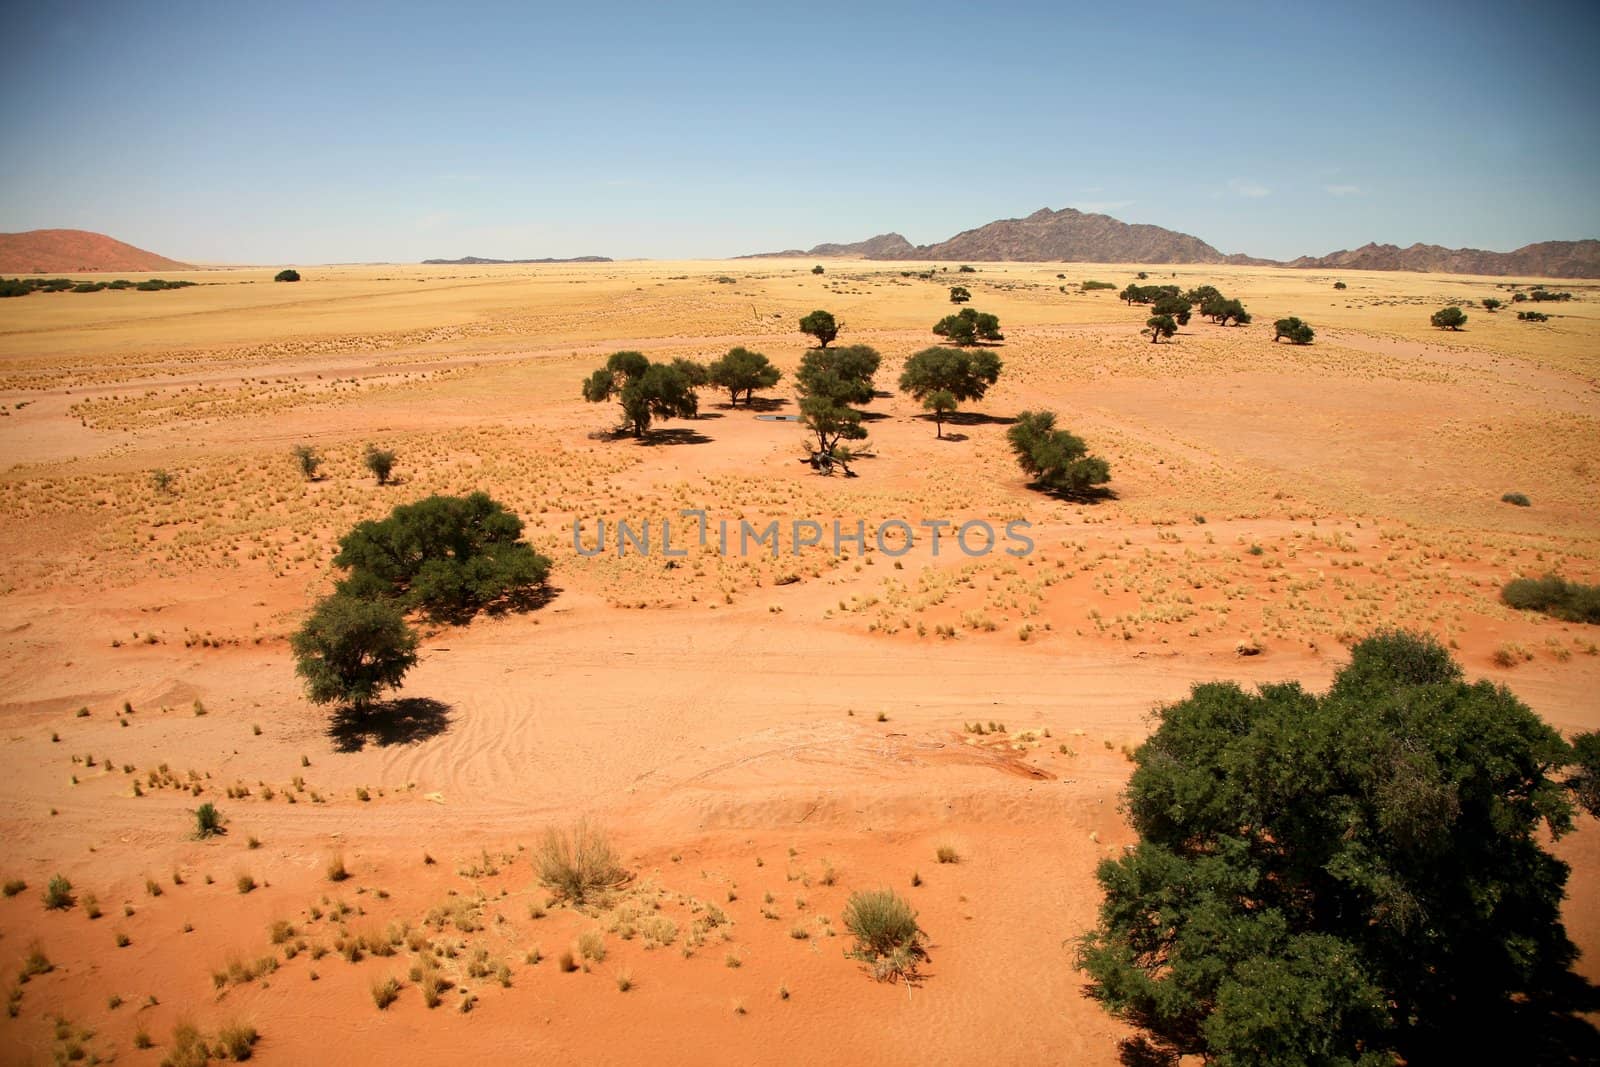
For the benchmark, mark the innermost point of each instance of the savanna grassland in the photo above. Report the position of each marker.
(760, 736)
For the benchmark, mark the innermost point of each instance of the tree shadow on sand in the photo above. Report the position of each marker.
(407, 721)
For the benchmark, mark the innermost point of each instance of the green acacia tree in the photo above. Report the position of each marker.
(830, 382)
(821, 325)
(964, 375)
(1057, 460)
(969, 327)
(1159, 326)
(351, 649)
(941, 404)
(960, 294)
(743, 371)
(647, 391)
(1299, 333)
(1449, 318)
(1343, 878)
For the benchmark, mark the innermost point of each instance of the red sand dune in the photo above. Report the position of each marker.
(53, 251)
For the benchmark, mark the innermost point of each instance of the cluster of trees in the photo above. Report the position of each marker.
(1346, 878)
(649, 391)
(1533, 316)
(1218, 308)
(969, 327)
(1299, 333)
(1539, 295)
(25, 286)
(1450, 318)
(445, 557)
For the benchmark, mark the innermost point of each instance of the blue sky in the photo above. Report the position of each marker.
(300, 133)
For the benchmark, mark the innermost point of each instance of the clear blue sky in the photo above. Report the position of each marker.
(301, 133)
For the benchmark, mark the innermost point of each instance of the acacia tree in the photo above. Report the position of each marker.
(447, 556)
(646, 391)
(821, 325)
(1299, 333)
(1057, 460)
(743, 371)
(308, 461)
(960, 294)
(952, 376)
(1450, 318)
(1159, 326)
(351, 649)
(1344, 878)
(829, 382)
(969, 327)
(1491, 303)
(941, 403)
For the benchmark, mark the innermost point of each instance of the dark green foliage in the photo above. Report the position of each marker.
(1519, 499)
(1200, 294)
(1584, 781)
(1532, 316)
(1172, 305)
(1219, 309)
(1491, 303)
(647, 391)
(829, 382)
(207, 821)
(821, 325)
(1057, 460)
(380, 461)
(13, 287)
(743, 371)
(940, 403)
(817, 269)
(1340, 285)
(1091, 286)
(446, 555)
(1340, 879)
(1555, 596)
(351, 649)
(969, 327)
(964, 269)
(58, 894)
(960, 294)
(155, 285)
(1450, 318)
(290, 275)
(1517, 298)
(1159, 326)
(1148, 294)
(1297, 332)
(964, 375)
(1545, 294)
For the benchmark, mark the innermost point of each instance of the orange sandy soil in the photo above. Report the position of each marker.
(721, 717)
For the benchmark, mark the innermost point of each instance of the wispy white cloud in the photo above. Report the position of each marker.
(1246, 187)
(1343, 190)
(1094, 206)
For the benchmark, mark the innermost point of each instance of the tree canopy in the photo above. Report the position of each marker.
(969, 327)
(647, 391)
(1450, 318)
(1057, 460)
(446, 555)
(964, 375)
(351, 649)
(743, 371)
(1299, 333)
(821, 325)
(1344, 878)
(1159, 326)
(960, 294)
(829, 382)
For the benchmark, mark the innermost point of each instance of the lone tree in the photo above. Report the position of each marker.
(1450, 318)
(1057, 460)
(959, 294)
(1159, 326)
(308, 461)
(351, 649)
(1491, 303)
(1343, 878)
(380, 461)
(646, 391)
(969, 327)
(743, 371)
(820, 324)
(446, 555)
(287, 276)
(829, 382)
(941, 403)
(1297, 332)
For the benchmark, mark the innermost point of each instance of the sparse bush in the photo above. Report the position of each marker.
(308, 461)
(337, 871)
(592, 945)
(58, 894)
(947, 854)
(1519, 499)
(236, 1041)
(162, 479)
(1532, 316)
(577, 862)
(888, 938)
(380, 461)
(14, 886)
(244, 882)
(207, 821)
(1554, 596)
(385, 992)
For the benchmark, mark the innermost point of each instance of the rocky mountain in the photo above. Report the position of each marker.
(74, 251)
(469, 260)
(1548, 259)
(1076, 236)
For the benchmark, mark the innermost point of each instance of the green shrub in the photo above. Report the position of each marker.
(887, 935)
(1058, 460)
(58, 894)
(1091, 286)
(1519, 499)
(207, 820)
(380, 461)
(290, 275)
(1554, 596)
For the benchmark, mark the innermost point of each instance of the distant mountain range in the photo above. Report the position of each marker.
(1068, 235)
(75, 251)
(466, 260)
